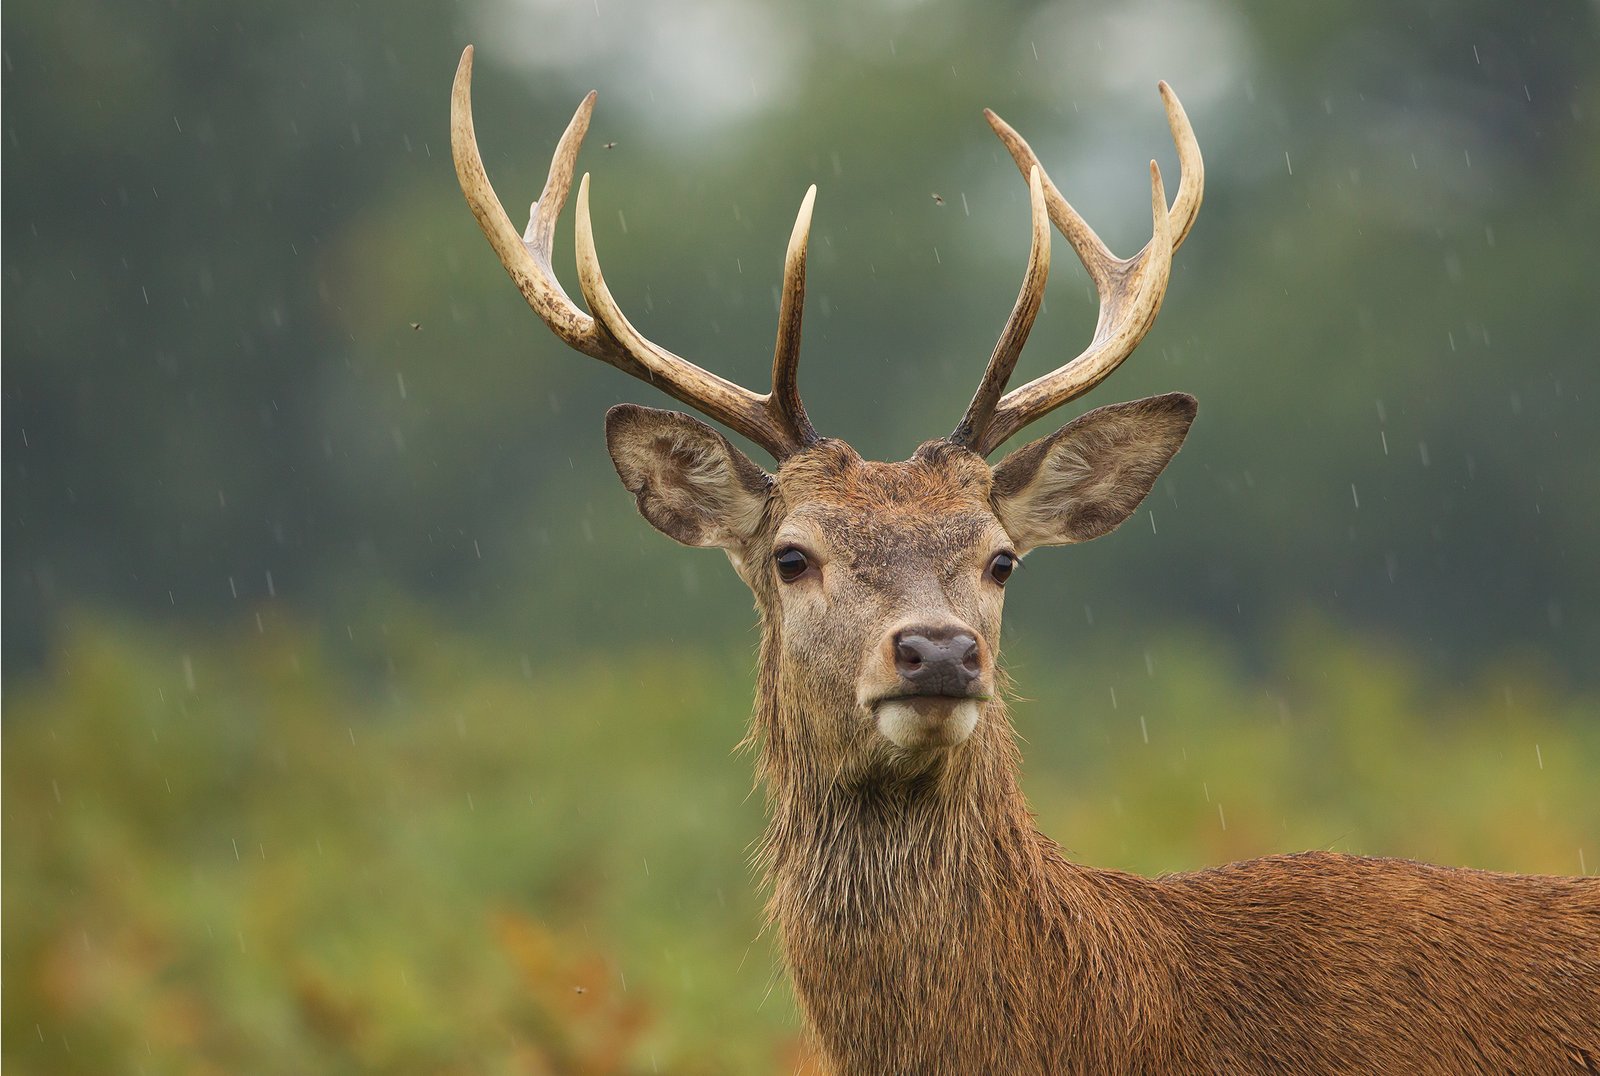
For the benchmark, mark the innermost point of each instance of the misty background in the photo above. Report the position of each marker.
(291, 470)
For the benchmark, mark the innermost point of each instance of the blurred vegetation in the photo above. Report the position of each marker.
(229, 854)
(253, 333)
(354, 722)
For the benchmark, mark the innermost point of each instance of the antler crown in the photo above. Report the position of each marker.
(1130, 290)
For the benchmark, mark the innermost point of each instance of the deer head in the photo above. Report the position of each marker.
(880, 585)
(928, 927)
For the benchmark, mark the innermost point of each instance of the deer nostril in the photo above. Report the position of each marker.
(907, 652)
(940, 661)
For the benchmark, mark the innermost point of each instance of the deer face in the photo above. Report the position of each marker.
(880, 585)
(883, 581)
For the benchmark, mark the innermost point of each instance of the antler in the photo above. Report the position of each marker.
(776, 420)
(1130, 289)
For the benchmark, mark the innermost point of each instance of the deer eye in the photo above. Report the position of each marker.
(792, 563)
(1001, 565)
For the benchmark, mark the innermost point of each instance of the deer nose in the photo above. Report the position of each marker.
(936, 661)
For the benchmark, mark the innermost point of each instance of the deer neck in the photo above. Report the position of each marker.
(863, 847)
(912, 906)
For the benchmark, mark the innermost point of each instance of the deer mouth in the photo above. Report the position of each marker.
(919, 722)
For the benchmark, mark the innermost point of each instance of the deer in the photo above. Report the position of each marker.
(926, 925)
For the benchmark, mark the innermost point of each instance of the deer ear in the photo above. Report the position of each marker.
(1086, 478)
(691, 484)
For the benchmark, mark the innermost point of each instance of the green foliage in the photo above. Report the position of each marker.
(234, 854)
(257, 356)
(224, 219)
(233, 858)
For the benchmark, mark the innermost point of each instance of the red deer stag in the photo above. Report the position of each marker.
(927, 925)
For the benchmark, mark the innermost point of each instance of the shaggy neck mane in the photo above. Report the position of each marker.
(922, 915)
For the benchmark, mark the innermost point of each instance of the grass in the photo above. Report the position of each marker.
(274, 850)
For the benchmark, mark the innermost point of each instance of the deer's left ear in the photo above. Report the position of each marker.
(1086, 478)
(691, 484)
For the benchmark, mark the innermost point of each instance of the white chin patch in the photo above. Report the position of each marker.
(919, 723)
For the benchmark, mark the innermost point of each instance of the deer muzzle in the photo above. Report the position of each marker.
(940, 685)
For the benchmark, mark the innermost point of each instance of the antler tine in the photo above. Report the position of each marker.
(527, 261)
(980, 412)
(1130, 289)
(761, 418)
(776, 421)
(1095, 255)
(1191, 168)
(1126, 314)
(786, 353)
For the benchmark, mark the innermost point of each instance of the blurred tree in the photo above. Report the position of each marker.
(256, 347)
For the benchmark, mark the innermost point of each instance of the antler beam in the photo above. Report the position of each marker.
(775, 420)
(1130, 289)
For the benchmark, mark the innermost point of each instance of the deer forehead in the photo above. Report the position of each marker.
(884, 520)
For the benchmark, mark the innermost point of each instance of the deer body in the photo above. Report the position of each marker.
(946, 935)
(928, 927)
(999, 955)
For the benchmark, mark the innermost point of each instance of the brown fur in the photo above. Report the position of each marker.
(930, 928)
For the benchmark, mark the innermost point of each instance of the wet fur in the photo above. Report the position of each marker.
(930, 928)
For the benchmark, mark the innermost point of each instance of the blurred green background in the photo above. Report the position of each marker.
(354, 722)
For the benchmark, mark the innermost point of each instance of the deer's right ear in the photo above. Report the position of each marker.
(691, 484)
